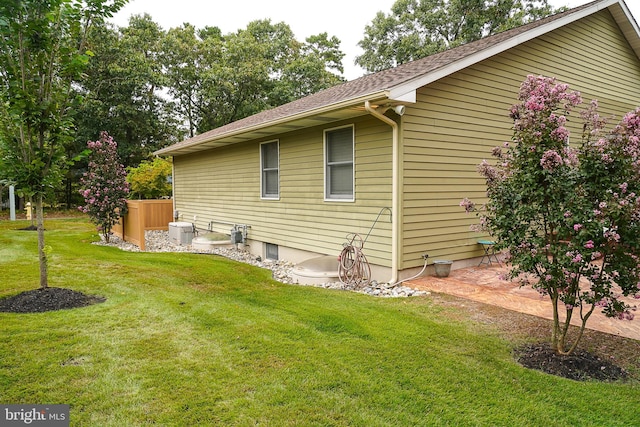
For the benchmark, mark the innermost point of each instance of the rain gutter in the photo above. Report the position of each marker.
(203, 139)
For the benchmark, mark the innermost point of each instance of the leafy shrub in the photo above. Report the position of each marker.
(150, 180)
(104, 185)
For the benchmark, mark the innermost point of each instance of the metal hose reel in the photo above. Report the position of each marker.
(353, 268)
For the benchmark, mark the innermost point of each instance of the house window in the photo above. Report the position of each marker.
(270, 251)
(270, 170)
(338, 148)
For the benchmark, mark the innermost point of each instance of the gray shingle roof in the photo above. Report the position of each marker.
(391, 78)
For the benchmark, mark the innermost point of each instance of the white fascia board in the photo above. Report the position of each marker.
(409, 97)
(629, 26)
(632, 20)
(357, 101)
(413, 85)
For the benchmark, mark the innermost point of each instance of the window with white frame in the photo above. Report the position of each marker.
(339, 165)
(271, 251)
(270, 170)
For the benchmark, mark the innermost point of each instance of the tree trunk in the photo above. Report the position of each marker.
(67, 191)
(556, 320)
(42, 254)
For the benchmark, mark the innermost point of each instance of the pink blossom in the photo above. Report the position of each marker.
(589, 245)
(570, 156)
(490, 173)
(550, 160)
(612, 235)
(560, 134)
(577, 227)
(626, 315)
(468, 205)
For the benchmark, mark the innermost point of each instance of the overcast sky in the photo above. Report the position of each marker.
(344, 19)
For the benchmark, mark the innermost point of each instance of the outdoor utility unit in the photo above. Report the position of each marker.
(236, 236)
(181, 232)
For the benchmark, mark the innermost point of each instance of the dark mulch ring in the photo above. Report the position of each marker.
(47, 299)
(580, 366)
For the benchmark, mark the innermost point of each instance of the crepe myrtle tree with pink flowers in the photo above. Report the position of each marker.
(567, 218)
(104, 185)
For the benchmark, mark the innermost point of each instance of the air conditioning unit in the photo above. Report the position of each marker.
(181, 232)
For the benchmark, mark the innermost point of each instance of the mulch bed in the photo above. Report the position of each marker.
(47, 299)
(29, 228)
(600, 356)
(579, 366)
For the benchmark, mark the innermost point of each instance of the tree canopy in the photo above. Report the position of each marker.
(125, 92)
(150, 87)
(418, 28)
(217, 79)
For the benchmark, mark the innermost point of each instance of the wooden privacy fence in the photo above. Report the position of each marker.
(143, 215)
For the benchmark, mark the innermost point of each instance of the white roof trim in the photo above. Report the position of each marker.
(170, 150)
(629, 15)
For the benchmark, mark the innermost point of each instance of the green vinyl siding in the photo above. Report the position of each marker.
(459, 119)
(452, 127)
(223, 185)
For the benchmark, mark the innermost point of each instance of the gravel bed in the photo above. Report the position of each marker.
(158, 241)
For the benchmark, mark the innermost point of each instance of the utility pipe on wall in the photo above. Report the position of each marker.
(395, 190)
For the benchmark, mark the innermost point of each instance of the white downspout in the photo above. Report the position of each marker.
(395, 190)
(173, 188)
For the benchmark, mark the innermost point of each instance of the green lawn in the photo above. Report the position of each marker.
(191, 340)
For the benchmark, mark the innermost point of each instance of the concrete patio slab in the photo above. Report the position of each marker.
(483, 284)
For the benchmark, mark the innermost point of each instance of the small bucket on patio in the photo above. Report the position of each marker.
(442, 267)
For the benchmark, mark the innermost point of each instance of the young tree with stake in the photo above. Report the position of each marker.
(43, 54)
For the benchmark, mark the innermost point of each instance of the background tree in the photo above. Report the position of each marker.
(150, 180)
(569, 218)
(216, 79)
(182, 50)
(125, 92)
(105, 188)
(313, 66)
(43, 54)
(144, 85)
(418, 28)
